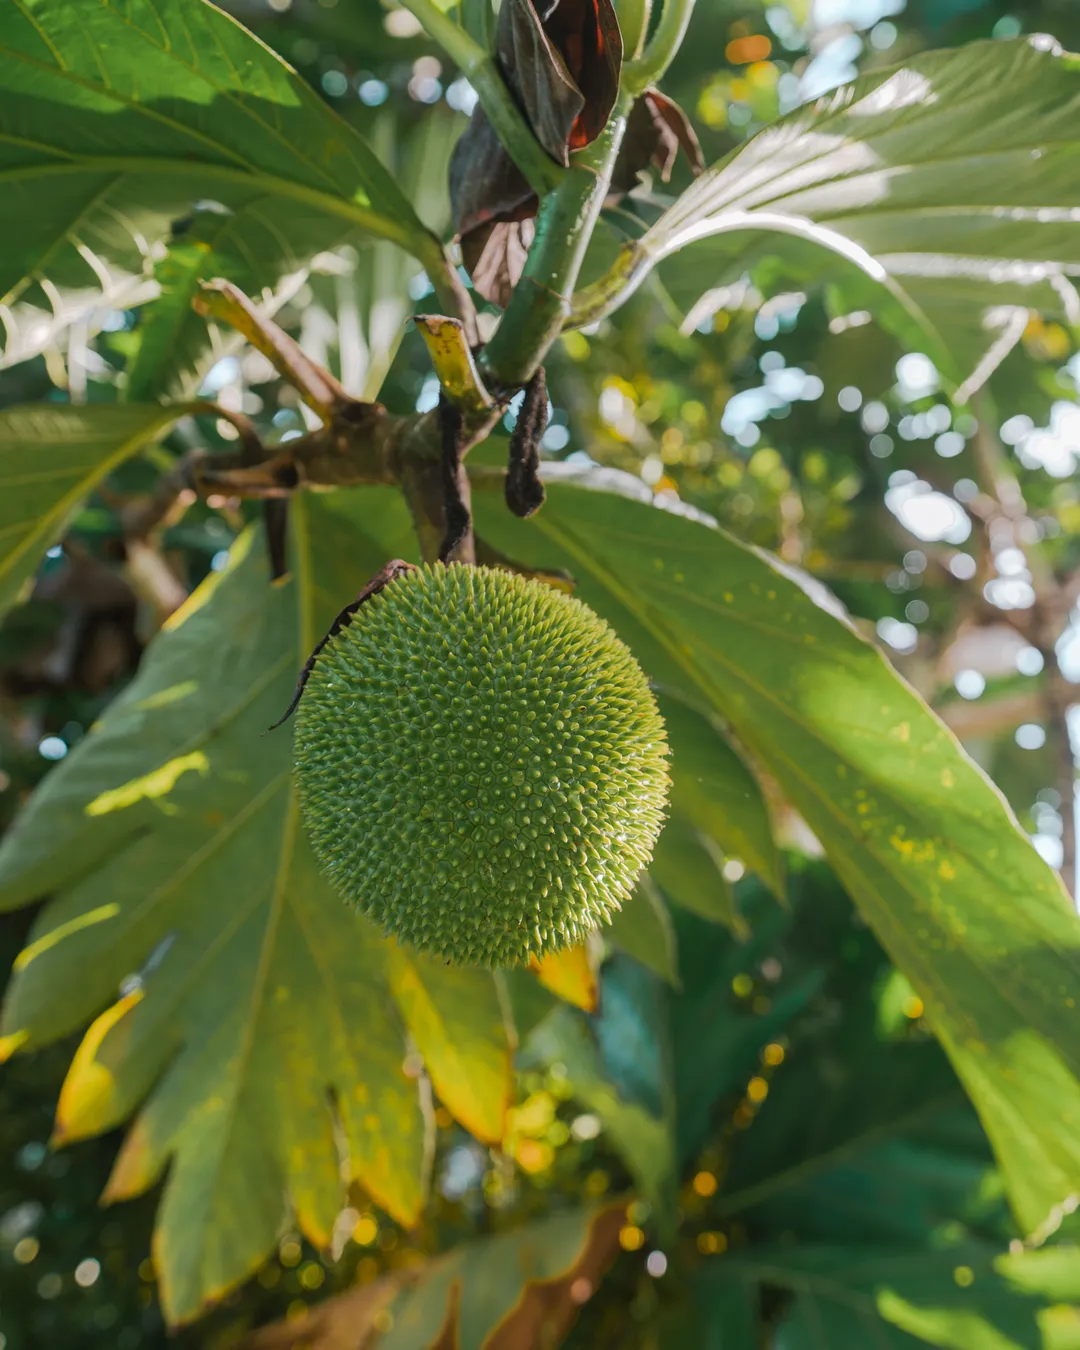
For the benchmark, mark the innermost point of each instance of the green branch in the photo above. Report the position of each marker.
(477, 65)
(662, 49)
(634, 21)
(540, 304)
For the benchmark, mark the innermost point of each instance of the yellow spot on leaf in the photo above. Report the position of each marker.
(85, 1098)
(570, 975)
(87, 920)
(152, 786)
(198, 597)
(9, 1044)
(946, 871)
(164, 697)
(901, 732)
(134, 1171)
(947, 779)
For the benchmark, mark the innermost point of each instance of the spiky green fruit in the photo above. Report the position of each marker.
(482, 766)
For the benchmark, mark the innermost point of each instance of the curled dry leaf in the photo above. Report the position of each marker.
(656, 131)
(561, 60)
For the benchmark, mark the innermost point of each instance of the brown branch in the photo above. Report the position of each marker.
(228, 304)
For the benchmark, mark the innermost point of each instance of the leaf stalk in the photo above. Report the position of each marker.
(661, 50)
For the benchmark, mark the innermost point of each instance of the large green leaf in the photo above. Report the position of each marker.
(368, 292)
(255, 1008)
(618, 1063)
(922, 176)
(717, 811)
(961, 1298)
(117, 118)
(642, 929)
(921, 839)
(51, 456)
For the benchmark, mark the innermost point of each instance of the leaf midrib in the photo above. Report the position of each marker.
(410, 237)
(237, 101)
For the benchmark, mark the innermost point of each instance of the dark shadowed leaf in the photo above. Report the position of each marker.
(967, 1297)
(643, 929)
(717, 1034)
(720, 1312)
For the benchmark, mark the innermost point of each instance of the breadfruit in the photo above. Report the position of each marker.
(481, 763)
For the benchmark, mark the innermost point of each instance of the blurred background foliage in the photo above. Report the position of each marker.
(803, 427)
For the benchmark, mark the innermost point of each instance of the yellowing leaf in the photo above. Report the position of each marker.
(97, 171)
(511, 1292)
(456, 1020)
(571, 975)
(260, 1029)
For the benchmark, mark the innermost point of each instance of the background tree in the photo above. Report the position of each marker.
(851, 343)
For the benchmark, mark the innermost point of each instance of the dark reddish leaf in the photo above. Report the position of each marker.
(656, 131)
(561, 60)
(539, 76)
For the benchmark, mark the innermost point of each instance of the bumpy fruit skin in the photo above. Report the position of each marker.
(482, 766)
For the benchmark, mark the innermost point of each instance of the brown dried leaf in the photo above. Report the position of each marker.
(656, 131)
(495, 257)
